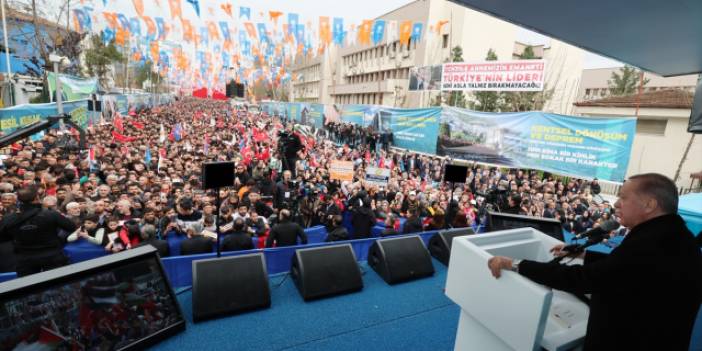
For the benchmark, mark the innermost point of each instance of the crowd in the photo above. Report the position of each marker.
(140, 182)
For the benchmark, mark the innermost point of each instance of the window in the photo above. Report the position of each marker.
(587, 92)
(445, 41)
(651, 126)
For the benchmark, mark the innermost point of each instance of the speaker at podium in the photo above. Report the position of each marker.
(510, 313)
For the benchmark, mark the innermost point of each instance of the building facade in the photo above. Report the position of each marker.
(379, 74)
(594, 83)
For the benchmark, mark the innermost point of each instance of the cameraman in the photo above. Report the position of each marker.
(289, 145)
(35, 234)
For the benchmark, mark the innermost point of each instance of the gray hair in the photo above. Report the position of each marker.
(659, 187)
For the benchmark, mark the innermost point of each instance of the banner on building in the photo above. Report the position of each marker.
(425, 78)
(412, 129)
(377, 176)
(363, 115)
(583, 147)
(341, 170)
(72, 88)
(519, 75)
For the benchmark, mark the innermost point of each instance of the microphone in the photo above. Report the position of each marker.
(594, 235)
(603, 229)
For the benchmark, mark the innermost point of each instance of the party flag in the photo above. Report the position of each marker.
(139, 7)
(391, 36)
(250, 30)
(196, 5)
(417, 31)
(227, 9)
(405, 32)
(274, 15)
(293, 21)
(245, 12)
(338, 31)
(150, 28)
(175, 9)
(378, 31)
(325, 36)
(364, 32)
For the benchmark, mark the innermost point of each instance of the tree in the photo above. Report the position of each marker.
(99, 57)
(626, 81)
(457, 98)
(527, 100)
(488, 101)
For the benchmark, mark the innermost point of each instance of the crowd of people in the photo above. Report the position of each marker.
(141, 182)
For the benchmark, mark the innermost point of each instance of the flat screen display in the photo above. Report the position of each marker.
(503, 221)
(124, 305)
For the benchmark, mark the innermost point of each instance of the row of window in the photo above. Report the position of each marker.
(400, 73)
(382, 50)
(370, 99)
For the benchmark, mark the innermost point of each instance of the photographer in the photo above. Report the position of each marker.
(289, 145)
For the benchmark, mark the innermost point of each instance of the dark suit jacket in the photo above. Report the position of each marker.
(237, 242)
(645, 294)
(286, 234)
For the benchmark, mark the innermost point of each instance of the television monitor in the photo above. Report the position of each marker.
(502, 221)
(118, 302)
(455, 173)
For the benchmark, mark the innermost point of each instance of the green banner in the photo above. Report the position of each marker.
(72, 88)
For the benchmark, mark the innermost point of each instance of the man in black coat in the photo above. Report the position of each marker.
(362, 219)
(35, 234)
(338, 232)
(285, 233)
(646, 293)
(239, 239)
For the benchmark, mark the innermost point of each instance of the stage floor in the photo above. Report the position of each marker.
(409, 316)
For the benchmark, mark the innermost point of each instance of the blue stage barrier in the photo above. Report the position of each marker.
(690, 209)
(83, 250)
(7, 276)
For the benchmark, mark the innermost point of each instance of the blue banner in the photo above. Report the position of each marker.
(22, 115)
(413, 129)
(316, 116)
(364, 115)
(568, 145)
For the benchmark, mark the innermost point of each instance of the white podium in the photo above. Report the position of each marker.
(512, 312)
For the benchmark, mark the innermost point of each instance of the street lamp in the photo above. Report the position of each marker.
(56, 60)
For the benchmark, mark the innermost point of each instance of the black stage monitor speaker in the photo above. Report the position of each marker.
(229, 285)
(240, 90)
(440, 243)
(217, 174)
(97, 106)
(455, 173)
(326, 271)
(695, 125)
(401, 259)
(502, 221)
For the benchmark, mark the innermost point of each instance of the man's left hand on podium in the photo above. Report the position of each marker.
(498, 263)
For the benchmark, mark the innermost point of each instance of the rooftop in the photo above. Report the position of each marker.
(671, 98)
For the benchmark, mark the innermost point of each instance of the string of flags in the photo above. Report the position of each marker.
(205, 44)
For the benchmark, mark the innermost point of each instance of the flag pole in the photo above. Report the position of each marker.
(7, 51)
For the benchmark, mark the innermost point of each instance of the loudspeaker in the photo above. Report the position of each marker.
(455, 173)
(440, 243)
(695, 125)
(97, 106)
(231, 92)
(229, 285)
(399, 260)
(240, 90)
(326, 271)
(501, 221)
(217, 175)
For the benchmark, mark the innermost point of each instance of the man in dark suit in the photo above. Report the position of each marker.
(35, 234)
(285, 233)
(239, 239)
(646, 293)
